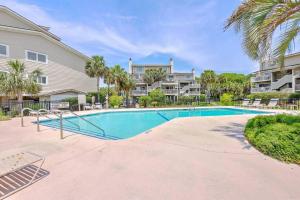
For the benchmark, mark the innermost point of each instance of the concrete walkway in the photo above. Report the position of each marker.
(187, 158)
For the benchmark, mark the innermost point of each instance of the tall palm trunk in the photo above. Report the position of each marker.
(98, 89)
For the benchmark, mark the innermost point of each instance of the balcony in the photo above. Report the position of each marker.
(170, 91)
(139, 92)
(297, 87)
(261, 78)
(261, 89)
(194, 93)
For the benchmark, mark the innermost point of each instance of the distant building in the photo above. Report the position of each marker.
(62, 66)
(272, 78)
(176, 84)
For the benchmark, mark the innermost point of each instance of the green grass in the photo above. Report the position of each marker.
(4, 118)
(276, 136)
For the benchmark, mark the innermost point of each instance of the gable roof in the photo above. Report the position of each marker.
(38, 30)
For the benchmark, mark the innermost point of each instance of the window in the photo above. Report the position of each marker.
(43, 80)
(3, 50)
(37, 57)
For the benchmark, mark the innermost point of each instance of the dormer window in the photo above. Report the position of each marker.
(4, 50)
(36, 57)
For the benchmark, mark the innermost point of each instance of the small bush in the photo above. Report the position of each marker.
(202, 97)
(115, 101)
(3, 117)
(72, 100)
(158, 96)
(294, 96)
(277, 136)
(145, 101)
(226, 99)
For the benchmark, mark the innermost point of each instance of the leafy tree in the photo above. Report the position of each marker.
(127, 84)
(95, 68)
(145, 101)
(115, 101)
(258, 20)
(108, 80)
(158, 96)
(17, 81)
(154, 75)
(208, 81)
(118, 74)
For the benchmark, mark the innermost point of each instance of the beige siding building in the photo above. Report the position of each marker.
(272, 78)
(62, 66)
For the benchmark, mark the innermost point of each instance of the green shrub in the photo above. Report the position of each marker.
(145, 101)
(115, 101)
(72, 100)
(186, 99)
(226, 99)
(158, 96)
(277, 136)
(202, 97)
(265, 97)
(294, 96)
(3, 117)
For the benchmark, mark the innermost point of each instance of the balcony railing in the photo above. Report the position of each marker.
(261, 89)
(194, 92)
(170, 91)
(261, 78)
(297, 87)
(139, 92)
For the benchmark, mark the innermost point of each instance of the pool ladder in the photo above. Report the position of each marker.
(59, 114)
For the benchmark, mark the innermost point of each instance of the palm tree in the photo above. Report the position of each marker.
(108, 80)
(258, 20)
(154, 75)
(127, 84)
(208, 80)
(95, 68)
(118, 74)
(17, 81)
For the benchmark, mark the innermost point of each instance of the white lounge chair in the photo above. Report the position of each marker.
(245, 102)
(87, 107)
(256, 103)
(273, 103)
(14, 167)
(98, 106)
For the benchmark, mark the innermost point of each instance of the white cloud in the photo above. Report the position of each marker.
(172, 33)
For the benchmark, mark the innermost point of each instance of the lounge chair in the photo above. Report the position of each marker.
(17, 171)
(273, 103)
(87, 107)
(245, 102)
(256, 103)
(98, 106)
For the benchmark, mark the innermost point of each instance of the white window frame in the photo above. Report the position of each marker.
(37, 56)
(7, 50)
(42, 77)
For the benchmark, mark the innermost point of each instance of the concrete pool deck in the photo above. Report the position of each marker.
(186, 158)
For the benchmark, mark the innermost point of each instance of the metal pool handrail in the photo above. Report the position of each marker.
(162, 115)
(98, 127)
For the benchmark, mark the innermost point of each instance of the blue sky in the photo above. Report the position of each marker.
(190, 31)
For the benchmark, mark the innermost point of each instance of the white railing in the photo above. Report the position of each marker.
(154, 86)
(261, 89)
(261, 78)
(139, 92)
(170, 91)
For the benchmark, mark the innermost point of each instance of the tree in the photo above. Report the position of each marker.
(154, 75)
(208, 80)
(108, 80)
(118, 74)
(258, 20)
(157, 96)
(127, 84)
(95, 68)
(17, 81)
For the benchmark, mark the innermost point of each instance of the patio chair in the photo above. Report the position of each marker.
(256, 103)
(87, 107)
(273, 103)
(17, 171)
(245, 102)
(98, 106)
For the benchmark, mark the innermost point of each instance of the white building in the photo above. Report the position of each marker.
(62, 66)
(271, 77)
(175, 84)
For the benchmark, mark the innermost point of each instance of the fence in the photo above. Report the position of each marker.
(284, 103)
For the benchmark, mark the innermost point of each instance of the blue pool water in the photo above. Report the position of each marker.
(122, 125)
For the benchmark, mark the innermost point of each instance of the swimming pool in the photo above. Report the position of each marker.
(122, 125)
